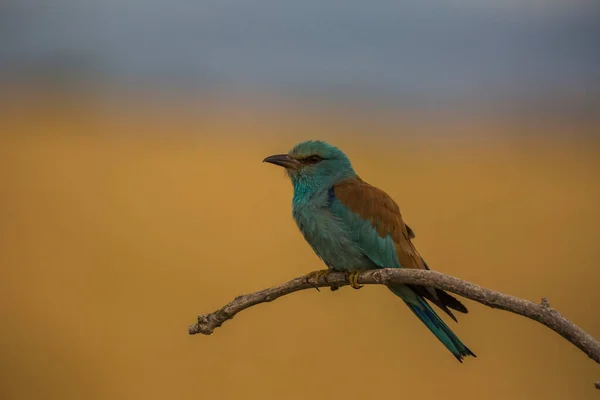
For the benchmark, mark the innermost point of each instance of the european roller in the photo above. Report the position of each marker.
(354, 226)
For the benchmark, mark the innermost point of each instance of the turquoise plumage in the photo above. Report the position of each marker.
(353, 226)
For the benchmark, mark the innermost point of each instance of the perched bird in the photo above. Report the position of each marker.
(353, 226)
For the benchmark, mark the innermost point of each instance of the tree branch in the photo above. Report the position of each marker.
(542, 313)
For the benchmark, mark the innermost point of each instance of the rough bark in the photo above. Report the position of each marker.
(542, 313)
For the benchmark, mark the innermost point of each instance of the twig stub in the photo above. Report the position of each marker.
(545, 302)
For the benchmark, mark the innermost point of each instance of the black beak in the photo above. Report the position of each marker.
(283, 160)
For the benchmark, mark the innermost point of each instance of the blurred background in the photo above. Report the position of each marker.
(133, 197)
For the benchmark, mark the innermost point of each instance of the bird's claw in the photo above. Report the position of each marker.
(352, 277)
(316, 275)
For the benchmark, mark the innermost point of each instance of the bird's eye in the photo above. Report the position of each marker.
(312, 159)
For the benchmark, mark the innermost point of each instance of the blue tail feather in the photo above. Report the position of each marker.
(436, 325)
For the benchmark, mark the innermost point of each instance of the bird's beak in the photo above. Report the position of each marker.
(283, 160)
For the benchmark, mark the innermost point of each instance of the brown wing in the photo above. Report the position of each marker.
(376, 206)
(373, 204)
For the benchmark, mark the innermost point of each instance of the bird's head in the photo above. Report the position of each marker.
(314, 164)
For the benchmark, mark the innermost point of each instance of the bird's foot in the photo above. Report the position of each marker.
(316, 275)
(352, 277)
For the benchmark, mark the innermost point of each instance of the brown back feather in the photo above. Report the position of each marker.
(376, 206)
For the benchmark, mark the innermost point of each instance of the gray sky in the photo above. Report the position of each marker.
(432, 49)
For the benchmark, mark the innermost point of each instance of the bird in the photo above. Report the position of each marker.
(353, 226)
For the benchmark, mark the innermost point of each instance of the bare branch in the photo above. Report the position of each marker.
(542, 313)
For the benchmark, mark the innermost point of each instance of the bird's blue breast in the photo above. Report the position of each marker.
(329, 235)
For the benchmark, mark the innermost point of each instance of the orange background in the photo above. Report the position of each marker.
(120, 225)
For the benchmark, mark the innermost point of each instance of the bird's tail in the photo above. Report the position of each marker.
(423, 310)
